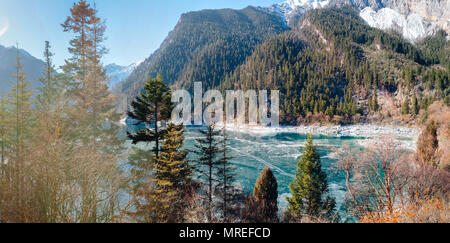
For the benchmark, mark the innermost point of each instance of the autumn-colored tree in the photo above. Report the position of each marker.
(432, 210)
(427, 145)
(265, 194)
(49, 149)
(3, 135)
(94, 125)
(18, 204)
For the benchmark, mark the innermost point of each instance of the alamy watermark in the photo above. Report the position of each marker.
(211, 107)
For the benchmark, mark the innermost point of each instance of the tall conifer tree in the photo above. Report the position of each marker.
(265, 194)
(207, 149)
(94, 126)
(151, 107)
(21, 127)
(225, 176)
(310, 188)
(172, 177)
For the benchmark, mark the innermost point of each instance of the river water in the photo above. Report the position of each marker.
(280, 149)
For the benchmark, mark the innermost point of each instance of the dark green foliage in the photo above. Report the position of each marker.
(323, 67)
(436, 48)
(152, 106)
(374, 101)
(405, 107)
(207, 148)
(415, 106)
(310, 188)
(205, 46)
(225, 190)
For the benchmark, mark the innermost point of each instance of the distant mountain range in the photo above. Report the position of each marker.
(32, 66)
(117, 73)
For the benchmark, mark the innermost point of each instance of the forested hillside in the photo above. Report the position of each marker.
(205, 46)
(331, 67)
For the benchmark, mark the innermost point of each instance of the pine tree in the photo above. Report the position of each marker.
(265, 194)
(49, 87)
(3, 136)
(405, 107)
(21, 127)
(415, 106)
(310, 188)
(142, 166)
(375, 106)
(225, 176)
(151, 107)
(95, 123)
(49, 145)
(207, 149)
(172, 177)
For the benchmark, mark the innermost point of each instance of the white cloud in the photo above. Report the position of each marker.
(4, 26)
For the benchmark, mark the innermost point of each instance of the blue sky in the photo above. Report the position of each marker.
(136, 28)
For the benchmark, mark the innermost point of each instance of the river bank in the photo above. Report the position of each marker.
(367, 134)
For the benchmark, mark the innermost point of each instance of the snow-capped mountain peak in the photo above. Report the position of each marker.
(306, 3)
(413, 19)
(290, 8)
(117, 73)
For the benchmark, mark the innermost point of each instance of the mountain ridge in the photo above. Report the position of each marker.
(414, 19)
(32, 66)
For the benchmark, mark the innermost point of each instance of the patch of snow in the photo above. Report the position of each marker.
(412, 27)
(289, 8)
(406, 136)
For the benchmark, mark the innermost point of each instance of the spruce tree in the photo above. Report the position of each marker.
(152, 106)
(50, 144)
(207, 149)
(265, 194)
(310, 188)
(21, 126)
(405, 107)
(172, 177)
(3, 136)
(49, 86)
(415, 106)
(375, 106)
(225, 176)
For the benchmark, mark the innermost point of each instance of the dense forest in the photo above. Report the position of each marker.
(64, 160)
(204, 46)
(330, 66)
